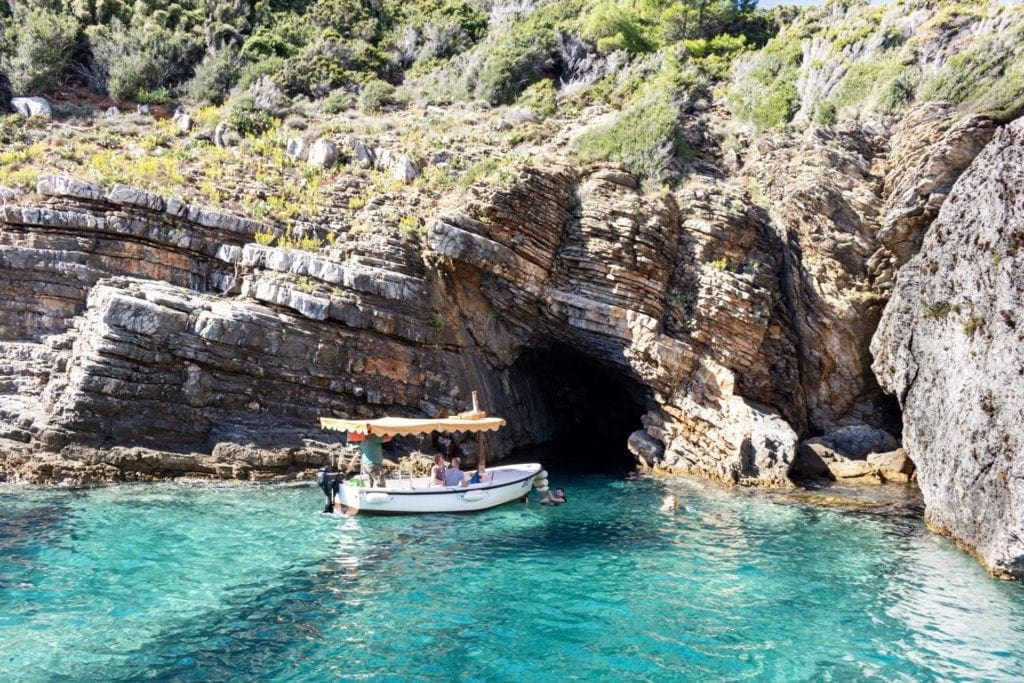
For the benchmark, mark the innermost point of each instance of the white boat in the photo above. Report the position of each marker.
(418, 495)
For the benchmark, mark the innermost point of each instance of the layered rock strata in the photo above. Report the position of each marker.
(734, 316)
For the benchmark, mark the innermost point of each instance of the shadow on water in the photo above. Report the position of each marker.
(25, 531)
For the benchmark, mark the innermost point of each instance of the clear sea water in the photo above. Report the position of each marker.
(216, 583)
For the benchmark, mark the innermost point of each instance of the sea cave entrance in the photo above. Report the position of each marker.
(580, 411)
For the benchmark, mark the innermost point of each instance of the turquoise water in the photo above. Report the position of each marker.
(208, 583)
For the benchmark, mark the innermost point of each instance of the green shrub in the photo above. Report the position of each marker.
(521, 54)
(12, 129)
(540, 98)
(972, 325)
(872, 85)
(434, 30)
(375, 95)
(766, 96)
(214, 77)
(938, 310)
(330, 62)
(350, 18)
(724, 44)
(249, 121)
(614, 27)
(646, 138)
(156, 96)
(144, 56)
(826, 113)
(42, 47)
(337, 102)
(984, 79)
(678, 21)
(253, 71)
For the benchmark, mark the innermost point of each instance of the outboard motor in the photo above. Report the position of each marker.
(327, 481)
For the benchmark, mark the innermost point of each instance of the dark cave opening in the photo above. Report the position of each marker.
(581, 410)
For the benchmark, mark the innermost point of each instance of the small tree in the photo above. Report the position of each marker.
(40, 49)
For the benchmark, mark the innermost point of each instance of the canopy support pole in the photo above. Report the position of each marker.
(481, 458)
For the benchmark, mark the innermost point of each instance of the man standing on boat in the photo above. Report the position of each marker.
(373, 458)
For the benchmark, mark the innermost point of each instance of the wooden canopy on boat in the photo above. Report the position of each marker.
(402, 426)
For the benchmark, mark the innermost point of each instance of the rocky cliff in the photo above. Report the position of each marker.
(950, 348)
(717, 325)
(729, 328)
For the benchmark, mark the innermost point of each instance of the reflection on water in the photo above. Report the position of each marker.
(204, 583)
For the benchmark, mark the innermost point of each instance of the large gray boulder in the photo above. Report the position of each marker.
(31, 106)
(950, 346)
(323, 153)
(645, 447)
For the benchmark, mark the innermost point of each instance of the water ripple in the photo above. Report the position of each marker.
(228, 582)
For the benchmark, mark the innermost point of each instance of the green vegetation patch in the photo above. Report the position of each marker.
(982, 79)
(646, 137)
(880, 84)
(766, 94)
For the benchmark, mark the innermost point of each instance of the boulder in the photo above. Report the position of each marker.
(364, 155)
(323, 153)
(405, 170)
(893, 465)
(32, 106)
(645, 447)
(813, 458)
(184, 123)
(295, 149)
(111, 112)
(219, 137)
(856, 441)
(855, 471)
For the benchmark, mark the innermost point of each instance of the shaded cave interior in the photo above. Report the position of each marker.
(581, 410)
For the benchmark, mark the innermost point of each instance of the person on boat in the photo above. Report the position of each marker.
(453, 476)
(373, 459)
(556, 497)
(437, 471)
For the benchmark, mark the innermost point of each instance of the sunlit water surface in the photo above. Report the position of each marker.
(212, 583)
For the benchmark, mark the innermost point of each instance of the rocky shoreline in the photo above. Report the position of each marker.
(144, 337)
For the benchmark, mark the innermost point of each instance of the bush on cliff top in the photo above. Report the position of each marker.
(36, 52)
(646, 137)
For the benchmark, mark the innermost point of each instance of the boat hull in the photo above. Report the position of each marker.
(501, 485)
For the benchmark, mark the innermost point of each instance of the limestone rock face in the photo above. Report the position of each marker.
(949, 346)
(728, 317)
(928, 153)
